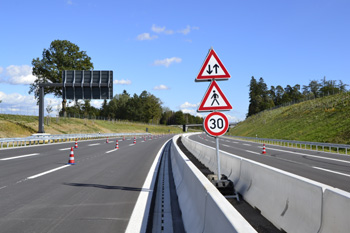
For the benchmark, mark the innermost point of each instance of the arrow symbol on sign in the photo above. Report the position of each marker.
(209, 71)
(216, 66)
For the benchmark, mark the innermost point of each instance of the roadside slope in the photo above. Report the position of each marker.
(325, 119)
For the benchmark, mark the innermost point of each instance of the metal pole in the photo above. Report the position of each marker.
(218, 157)
(41, 110)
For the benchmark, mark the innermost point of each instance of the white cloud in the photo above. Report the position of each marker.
(167, 61)
(69, 2)
(188, 105)
(122, 82)
(161, 30)
(161, 87)
(17, 75)
(1, 69)
(187, 30)
(146, 36)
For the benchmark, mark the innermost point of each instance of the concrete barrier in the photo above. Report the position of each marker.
(336, 211)
(290, 202)
(203, 208)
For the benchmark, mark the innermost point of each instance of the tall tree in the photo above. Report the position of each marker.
(61, 55)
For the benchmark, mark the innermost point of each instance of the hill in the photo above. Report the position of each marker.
(23, 126)
(324, 119)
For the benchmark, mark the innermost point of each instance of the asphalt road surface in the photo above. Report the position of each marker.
(327, 168)
(41, 193)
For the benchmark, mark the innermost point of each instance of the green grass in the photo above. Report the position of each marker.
(325, 119)
(23, 126)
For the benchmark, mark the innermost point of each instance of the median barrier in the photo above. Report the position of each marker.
(203, 208)
(290, 202)
(336, 211)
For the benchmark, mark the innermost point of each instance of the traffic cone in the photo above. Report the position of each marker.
(264, 149)
(134, 140)
(107, 141)
(76, 143)
(144, 138)
(71, 157)
(117, 145)
(123, 138)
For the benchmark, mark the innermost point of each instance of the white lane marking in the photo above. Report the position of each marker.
(314, 156)
(47, 172)
(139, 216)
(246, 144)
(234, 142)
(20, 156)
(111, 150)
(252, 152)
(3, 187)
(131, 144)
(94, 144)
(339, 173)
(225, 145)
(65, 149)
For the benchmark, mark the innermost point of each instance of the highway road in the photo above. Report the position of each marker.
(326, 168)
(41, 193)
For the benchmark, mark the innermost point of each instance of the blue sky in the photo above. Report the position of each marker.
(159, 46)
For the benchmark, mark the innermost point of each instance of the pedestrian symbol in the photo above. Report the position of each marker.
(215, 96)
(214, 99)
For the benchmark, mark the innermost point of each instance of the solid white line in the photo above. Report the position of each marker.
(339, 173)
(139, 216)
(65, 149)
(314, 156)
(18, 157)
(111, 151)
(47, 172)
(94, 144)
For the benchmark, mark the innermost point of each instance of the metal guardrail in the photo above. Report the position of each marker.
(43, 139)
(300, 144)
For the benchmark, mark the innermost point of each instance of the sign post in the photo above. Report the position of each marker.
(216, 123)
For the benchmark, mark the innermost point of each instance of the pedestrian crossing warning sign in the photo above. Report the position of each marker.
(212, 68)
(214, 99)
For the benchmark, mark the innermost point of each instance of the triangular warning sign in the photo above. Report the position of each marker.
(212, 68)
(214, 99)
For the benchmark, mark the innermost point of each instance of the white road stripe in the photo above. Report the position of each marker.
(111, 151)
(225, 145)
(65, 148)
(47, 172)
(246, 144)
(252, 152)
(94, 144)
(314, 156)
(339, 173)
(20, 156)
(3, 187)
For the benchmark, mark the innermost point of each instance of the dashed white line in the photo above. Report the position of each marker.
(111, 151)
(246, 144)
(339, 173)
(66, 148)
(47, 172)
(252, 152)
(94, 144)
(20, 156)
(314, 156)
(225, 145)
(3, 187)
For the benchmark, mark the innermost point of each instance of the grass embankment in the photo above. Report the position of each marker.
(23, 126)
(325, 119)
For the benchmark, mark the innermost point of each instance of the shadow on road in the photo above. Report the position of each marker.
(107, 187)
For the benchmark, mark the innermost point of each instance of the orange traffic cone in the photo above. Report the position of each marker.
(123, 138)
(117, 145)
(144, 138)
(107, 141)
(76, 143)
(71, 157)
(264, 149)
(134, 140)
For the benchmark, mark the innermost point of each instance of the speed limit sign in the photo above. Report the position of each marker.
(216, 124)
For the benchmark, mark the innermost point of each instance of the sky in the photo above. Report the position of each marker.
(160, 46)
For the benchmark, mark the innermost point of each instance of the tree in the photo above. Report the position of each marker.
(62, 55)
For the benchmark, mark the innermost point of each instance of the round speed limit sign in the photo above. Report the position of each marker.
(216, 124)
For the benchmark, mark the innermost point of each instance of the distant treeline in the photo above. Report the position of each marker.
(145, 108)
(262, 98)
